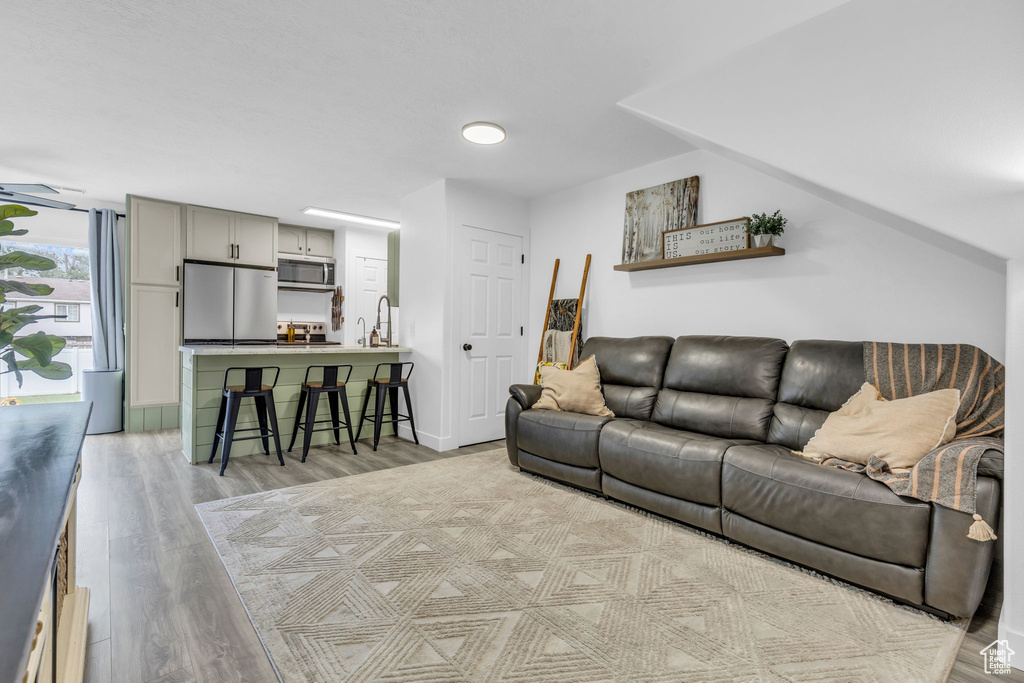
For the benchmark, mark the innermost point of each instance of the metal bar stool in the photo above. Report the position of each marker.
(231, 399)
(391, 383)
(334, 389)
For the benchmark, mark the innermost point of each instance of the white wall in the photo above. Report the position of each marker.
(423, 268)
(843, 277)
(903, 106)
(430, 308)
(1011, 619)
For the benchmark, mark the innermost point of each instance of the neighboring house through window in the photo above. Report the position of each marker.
(69, 313)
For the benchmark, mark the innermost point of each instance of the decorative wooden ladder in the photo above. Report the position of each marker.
(576, 321)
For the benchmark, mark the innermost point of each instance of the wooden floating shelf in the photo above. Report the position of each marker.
(736, 255)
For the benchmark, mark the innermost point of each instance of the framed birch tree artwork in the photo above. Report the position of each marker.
(653, 211)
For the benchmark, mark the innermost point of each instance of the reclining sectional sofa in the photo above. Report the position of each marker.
(703, 433)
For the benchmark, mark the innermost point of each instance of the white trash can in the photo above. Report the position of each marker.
(105, 388)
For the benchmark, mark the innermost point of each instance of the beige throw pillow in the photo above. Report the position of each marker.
(900, 432)
(574, 391)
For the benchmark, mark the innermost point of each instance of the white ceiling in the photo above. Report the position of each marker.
(912, 111)
(269, 106)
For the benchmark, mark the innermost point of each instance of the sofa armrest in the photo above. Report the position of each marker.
(991, 464)
(525, 394)
(512, 411)
(958, 568)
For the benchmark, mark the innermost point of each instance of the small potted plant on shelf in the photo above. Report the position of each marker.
(763, 229)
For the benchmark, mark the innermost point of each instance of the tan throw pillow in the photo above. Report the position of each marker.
(900, 432)
(574, 391)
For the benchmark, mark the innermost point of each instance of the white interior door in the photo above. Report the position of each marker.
(371, 282)
(490, 288)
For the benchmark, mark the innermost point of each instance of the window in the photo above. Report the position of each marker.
(68, 311)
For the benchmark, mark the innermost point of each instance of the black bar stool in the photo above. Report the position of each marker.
(392, 382)
(231, 399)
(334, 389)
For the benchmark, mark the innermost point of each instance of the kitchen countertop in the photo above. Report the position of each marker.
(270, 349)
(39, 457)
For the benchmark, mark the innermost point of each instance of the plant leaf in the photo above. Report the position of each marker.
(12, 366)
(25, 310)
(40, 346)
(53, 370)
(25, 288)
(7, 229)
(22, 259)
(15, 211)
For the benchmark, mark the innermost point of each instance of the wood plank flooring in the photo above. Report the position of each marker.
(163, 608)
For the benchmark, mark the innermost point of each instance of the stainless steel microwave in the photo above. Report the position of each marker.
(305, 273)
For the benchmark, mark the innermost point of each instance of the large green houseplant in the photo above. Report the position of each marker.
(31, 352)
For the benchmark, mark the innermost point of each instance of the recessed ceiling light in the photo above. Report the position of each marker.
(352, 218)
(483, 133)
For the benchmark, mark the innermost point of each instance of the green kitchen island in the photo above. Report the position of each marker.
(202, 377)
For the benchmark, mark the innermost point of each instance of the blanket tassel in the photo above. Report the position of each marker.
(980, 530)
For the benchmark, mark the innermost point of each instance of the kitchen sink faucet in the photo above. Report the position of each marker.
(362, 339)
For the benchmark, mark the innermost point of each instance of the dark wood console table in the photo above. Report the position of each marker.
(43, 614)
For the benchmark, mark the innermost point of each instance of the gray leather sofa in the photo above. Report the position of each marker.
(703, 433)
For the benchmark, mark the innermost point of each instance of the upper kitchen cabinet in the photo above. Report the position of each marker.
(294, 239)
(155, 234)
(229, 237)
(319, 242)
(291, 239)
(255, 240)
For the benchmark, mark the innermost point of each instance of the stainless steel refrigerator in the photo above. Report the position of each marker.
(230, 305)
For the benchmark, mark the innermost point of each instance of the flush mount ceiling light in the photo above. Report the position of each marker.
(483, 133)
(352, 218)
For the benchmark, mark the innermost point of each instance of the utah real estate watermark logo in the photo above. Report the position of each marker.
(997, 657)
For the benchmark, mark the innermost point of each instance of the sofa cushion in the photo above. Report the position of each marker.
(841, 509)
(817, 378)
(569, 438)
(681, 464)
(631, 371)
(721, 386)
(576, 391)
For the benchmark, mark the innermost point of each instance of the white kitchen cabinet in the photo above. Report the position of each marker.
(154, 336)
(229, 237)
(294, 239)
(209, 234)
(156, 242)
(291, 239)
(255, 240)
(319, 242)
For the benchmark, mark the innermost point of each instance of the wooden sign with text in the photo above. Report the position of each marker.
(710, 238)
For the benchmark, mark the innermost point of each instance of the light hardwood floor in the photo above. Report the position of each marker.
(163, 608)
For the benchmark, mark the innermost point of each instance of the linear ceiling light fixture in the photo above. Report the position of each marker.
(352, 218)
(483, 133)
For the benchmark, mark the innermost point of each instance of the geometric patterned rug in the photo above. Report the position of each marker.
(465, 569)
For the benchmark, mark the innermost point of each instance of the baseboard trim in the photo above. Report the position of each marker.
(438, 443)
(1014, 638)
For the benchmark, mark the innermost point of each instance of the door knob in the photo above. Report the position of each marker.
(467, 347)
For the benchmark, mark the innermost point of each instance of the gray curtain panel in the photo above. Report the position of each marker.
(107, 297)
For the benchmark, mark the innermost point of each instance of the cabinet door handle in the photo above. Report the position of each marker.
(231, 251)
(177, 273)
(238, 251)
(176, 295)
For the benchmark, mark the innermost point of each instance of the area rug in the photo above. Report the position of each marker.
(466, 569)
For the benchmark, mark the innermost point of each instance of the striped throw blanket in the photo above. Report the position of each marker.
(948, 475)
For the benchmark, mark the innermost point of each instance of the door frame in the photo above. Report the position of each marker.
(455, 327)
